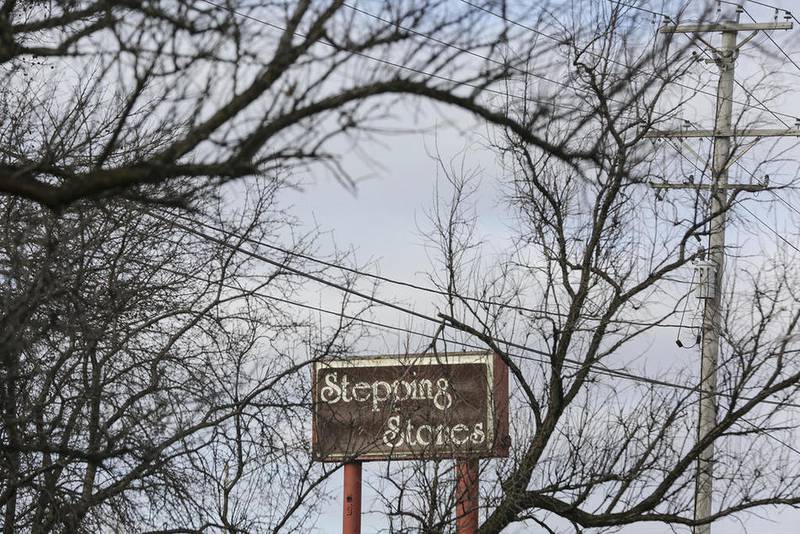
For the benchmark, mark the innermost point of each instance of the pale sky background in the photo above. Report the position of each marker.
(381, 221)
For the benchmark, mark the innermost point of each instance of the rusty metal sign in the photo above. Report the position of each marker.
(415, 406)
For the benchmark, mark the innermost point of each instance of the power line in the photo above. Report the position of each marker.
(465, 83)
(640, 8)
(293, 270)
(769, 434)
(596, 367)
(764, 107)
(480, 87)
(303, 305)
(786, 54)
(770, 228)
(771, 190)
(759, 219)
(784, 201)
(607, 372)
(391, 63)
(641, 71)
(761, 104)
(757, 2)
(755, 179)
(486, 58)
(792, 61)
(747, 92)
(383, 326)
(470, 52)
(410, 285)
(603, 371)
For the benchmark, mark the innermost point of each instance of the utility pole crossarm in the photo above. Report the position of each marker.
(746, 132)
(725, 27)
(709, 187)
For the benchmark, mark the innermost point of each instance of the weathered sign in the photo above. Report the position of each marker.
(415, 406)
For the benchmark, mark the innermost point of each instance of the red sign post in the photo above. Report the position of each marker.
(351, 514)
(467, 496)
(411, 407)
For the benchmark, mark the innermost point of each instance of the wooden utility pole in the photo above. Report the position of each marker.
(725, 58)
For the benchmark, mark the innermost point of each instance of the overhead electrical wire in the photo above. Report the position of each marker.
(774, 114)
(743, 206)
(777, 196)
(276, 26)
(786, 54)
(503, 17)
(502, 93)
(465, 50)
(759, 3)
(485, 58)
(462, 82)
(609, 59)
(654, 322)
(769, 227)
(596, 367)
(740, 5)
(761, 104)
(778, 117)
(770, 435)
(293, 270)
(605, 371)
(390, 63)
(640, 8)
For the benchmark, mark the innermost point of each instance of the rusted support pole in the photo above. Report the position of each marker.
(351, 517)
(467, 496)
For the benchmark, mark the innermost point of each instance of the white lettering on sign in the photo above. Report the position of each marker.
(380, 391)
(398, 434)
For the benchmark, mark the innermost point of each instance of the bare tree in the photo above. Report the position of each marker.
(106, 98)
(151, 381)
